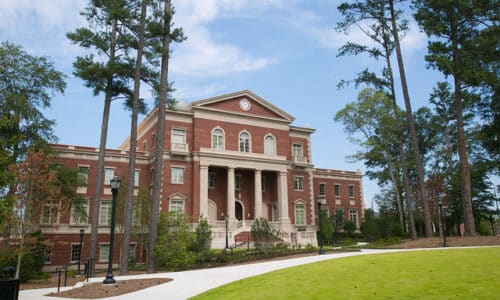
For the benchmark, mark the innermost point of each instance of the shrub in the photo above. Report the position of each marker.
(263, 236)
(203, 238)
(175, 240)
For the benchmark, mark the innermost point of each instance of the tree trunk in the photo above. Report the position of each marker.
(463, 161)
(102, 151)
(128, 209)
(409, 117)
(159, 143)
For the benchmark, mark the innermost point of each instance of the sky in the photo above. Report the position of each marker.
(285, 51)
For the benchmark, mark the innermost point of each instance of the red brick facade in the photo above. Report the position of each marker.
(234, 156)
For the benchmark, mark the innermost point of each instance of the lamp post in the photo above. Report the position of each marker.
(82, 231)
(440, 203)
(115, 185)
(321, 200)
(226, 220)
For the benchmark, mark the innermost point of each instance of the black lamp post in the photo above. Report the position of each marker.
(82, 231)
(115, 185)
(440, 203)
(320, 200)
(226, 220)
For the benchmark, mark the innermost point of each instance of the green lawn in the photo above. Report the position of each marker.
(436, 274)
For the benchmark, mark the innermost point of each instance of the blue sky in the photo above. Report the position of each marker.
(282, 50)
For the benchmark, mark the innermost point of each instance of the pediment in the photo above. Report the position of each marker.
(243, 103)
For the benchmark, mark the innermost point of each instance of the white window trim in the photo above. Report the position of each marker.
(249, 141)
(299, 202)
(177, 197)
(71, 251)
(88, 171)
(100, 212)
(274, 144)
(353, 191)
(302, 184)
(223, 139)
(172, 177)
(71, 215)
(324, 191)
(108, 182)
(301, 148)
(58, 213)
(334, 185)
(106, 259)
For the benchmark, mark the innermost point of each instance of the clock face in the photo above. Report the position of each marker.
(244, 104)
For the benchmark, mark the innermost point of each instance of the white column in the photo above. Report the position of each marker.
(283, 196)
(204, 191)
(258, 194)
(230, 193)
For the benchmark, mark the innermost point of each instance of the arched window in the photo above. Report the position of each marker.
(269, 145)
(217, 139)
(300, 213)
(244, 142)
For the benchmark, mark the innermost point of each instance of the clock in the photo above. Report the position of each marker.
(244, 104)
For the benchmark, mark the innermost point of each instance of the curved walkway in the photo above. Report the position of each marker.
(191, 283)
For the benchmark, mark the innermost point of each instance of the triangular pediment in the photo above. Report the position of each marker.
(245, 103)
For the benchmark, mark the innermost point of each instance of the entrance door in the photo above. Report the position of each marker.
(238, 211)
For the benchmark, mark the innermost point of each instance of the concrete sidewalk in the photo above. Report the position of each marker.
(191, 283)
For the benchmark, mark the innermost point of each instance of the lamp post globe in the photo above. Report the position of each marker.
(115, 185)
(320, 200)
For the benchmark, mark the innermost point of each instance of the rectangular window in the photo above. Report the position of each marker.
(47, 258)
(237, 182)
(322, 188)
(211, 180)
(153, 140)
(136, 177)
(351, 191)
(337, 190)
(300, 214)
(298, 183)
(83, 175)
(105, 213)
(176, 205)
(178, 139)
(79, 211)
(297, 150)
(109, 173)
(131, 252)
(50, 213)
(136, 214)
(145, 146)
(75, 252)
(103, 253)
(353, 216)
(177, 175)
(263, 183)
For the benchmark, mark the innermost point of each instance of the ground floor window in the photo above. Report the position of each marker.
(75, 252)
(300, 214)
(103, 253)
(353, 216)
(177, 205)
(131, 252)
(47, 258)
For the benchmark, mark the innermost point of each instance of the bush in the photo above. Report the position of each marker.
(175, 240)
(32, 259)
(201, 244)
(263, 236)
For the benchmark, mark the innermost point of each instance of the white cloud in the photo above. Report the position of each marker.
(200, 55)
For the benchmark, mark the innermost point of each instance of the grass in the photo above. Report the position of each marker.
(471, 273)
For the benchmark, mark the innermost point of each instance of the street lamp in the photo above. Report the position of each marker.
(82, 231)
(115, 185)
(226, 220)
(321, 200)
(440, 203)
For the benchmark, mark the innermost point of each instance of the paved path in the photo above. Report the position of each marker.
(191, 283)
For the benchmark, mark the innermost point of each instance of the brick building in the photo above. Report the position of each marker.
(234, 156)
